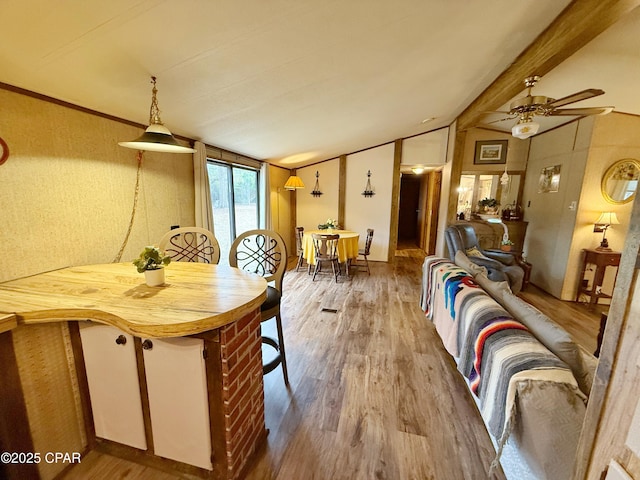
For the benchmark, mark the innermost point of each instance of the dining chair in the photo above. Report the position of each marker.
(364, 252)
(264, 253)
(191, 244)
(326, 250)
(299, 249)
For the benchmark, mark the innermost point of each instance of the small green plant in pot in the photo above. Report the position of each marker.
(488, 204)
(506, 245)
(152, 262)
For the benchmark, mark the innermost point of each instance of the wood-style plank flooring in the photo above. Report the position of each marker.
(373, 393)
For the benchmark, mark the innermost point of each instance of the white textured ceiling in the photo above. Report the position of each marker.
(289, 81)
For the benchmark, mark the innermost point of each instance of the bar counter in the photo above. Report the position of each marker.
(168, 376)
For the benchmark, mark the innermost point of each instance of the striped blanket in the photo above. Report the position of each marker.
(494, 352)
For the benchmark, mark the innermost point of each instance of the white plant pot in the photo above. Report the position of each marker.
(154, 278)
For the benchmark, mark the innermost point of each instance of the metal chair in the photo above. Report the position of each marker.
(191, 244)
(326, 250)
(364, 252)
(264, 253)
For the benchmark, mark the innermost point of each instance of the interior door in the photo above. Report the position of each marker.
(409, 209)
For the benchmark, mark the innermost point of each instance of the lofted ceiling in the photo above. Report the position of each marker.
(288, 81)
(610, 62)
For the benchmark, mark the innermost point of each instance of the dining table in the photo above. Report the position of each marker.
(347, 245)
(147, 365)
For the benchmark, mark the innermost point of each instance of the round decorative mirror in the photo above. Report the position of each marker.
(620, 181)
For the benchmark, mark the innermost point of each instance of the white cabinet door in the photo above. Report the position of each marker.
(178, 401)
(112, 374)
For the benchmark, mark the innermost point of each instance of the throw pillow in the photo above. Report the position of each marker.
(463, 262)
(474, 252)
(497, 290)
(552, 335)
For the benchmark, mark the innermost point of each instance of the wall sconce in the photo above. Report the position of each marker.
(368, 191)
(604, 221)
(293, 183)
(316, 189)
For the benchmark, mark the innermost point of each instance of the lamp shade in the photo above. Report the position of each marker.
(157, 138)
(525, 129)
(294, 183)
(607, 218)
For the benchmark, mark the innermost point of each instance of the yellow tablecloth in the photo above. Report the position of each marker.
(347, 244)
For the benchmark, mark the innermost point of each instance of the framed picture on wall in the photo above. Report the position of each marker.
(491, 152)
(549, 179)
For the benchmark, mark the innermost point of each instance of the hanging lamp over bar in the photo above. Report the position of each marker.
(157, 137)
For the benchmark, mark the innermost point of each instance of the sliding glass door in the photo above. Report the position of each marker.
(234, 197)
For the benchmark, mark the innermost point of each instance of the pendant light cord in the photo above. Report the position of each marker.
(133, 210)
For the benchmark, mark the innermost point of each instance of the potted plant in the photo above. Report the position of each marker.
(152, 261)
(506, 245)
(489, 205)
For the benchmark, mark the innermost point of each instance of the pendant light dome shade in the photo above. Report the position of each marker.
(157, 137)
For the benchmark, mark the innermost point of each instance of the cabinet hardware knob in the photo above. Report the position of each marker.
(121, 340)
(147, 344)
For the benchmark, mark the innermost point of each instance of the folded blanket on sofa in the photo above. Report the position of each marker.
(516, 379)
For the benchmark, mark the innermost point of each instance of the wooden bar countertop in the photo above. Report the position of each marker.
(196, 297)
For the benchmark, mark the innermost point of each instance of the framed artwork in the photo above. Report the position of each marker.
(549, 179)
(491, 152)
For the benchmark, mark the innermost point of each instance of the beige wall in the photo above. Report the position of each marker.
(548, 243)
(312, 211)
(66, 191)
(557, 234)
(516, 151)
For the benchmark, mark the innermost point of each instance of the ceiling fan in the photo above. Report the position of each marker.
(526, 108)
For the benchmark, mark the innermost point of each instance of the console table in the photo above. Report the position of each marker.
(601, 260)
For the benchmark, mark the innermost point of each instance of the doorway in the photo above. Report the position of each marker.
(418, 211)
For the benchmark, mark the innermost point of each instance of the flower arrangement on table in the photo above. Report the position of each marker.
(329, 224)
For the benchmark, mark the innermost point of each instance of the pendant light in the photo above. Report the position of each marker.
(157, 137)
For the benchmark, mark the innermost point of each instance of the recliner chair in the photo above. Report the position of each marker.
(500, 266)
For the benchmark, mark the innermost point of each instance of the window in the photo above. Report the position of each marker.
(234, 198)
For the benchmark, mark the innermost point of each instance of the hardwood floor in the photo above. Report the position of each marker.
(373, 393)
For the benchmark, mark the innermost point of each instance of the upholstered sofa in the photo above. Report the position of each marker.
(530, 380)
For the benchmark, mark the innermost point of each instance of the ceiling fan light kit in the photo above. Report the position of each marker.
(526, 108)
(525, 129)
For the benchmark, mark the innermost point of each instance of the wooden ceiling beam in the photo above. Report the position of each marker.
(577, 25)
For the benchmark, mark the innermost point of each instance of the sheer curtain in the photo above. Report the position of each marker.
(265, 193)
(204, 211)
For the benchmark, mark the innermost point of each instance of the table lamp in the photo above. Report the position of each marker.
(604, 221)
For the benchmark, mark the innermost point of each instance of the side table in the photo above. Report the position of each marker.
(601, 260)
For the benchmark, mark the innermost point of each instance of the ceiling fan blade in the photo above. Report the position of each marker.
(575, 97)
(491, 112)
(501, 119)
(582, 111)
